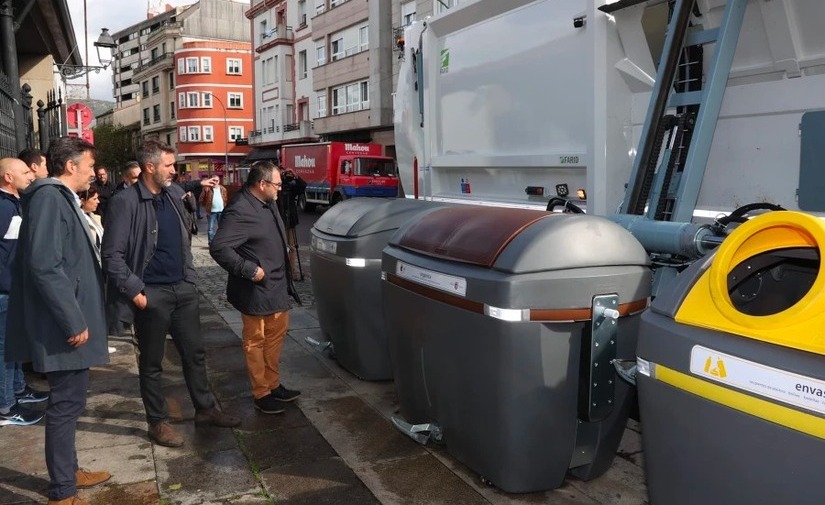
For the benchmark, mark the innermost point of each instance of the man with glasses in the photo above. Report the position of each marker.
(250, 244)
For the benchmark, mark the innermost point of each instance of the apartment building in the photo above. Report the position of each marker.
(323, 71)
(188, 71)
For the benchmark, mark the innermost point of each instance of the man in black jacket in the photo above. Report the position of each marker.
(147, 258)
(250, 244)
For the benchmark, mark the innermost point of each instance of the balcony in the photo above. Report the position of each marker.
(171, 30)
(278, 134)
(282, 34)
(162, 62)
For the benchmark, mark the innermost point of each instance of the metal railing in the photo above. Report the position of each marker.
(154, 61)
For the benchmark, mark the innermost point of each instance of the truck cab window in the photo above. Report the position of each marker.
(346, 168)
(379, 168)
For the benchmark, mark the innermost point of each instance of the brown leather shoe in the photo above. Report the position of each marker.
(85, 478)
(163, 434)
(216, 417)
(73, 500)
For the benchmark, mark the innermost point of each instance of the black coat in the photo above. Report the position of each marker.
(57, 289)
(129, 243)
(252, 234)
(293, 187)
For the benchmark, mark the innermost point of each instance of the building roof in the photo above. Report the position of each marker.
(47, 29)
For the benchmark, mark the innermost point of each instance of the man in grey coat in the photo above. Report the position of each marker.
(56, 318)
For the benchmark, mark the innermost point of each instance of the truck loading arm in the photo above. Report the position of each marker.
(694, 136)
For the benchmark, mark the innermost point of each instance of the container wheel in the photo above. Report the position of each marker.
(304, 206)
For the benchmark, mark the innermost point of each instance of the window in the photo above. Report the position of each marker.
(440, 6)
(320, 6)
(351, 97)
(337, 48)
(146, 116)
(234, 100)
(168, 139)
(156, 113)
(207, 133)
(302, 65)
(154, 53)
(233, 66)
(302, 12)
(206, 65)
(172, 110)
(181, 100)
(264, 33)
(163, 49)
(144, 88)
(322, 105)
(171, 80)
(333, 3)
(182, 134)
(320, 55)
(363, 38)
(181, 65)
(194, 134)
(207, 100)
(193, 100)
(155, 84)
(235, 133)
(191, 65)
(407, 13)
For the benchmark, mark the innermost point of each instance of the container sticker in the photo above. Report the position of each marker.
(781, 385)
(443, 282)
(327, 246)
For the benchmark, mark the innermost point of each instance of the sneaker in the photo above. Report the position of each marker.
(216, 417)
(269, 405)
(20, 416)
(163, 434)
(86, 479)
(29, 395)
(283, 394)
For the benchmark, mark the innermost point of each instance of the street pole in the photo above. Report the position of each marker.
(225, 135)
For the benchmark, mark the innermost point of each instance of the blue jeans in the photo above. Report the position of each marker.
(214, 217)
(11, 377)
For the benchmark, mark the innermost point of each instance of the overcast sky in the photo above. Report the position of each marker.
(114, 15)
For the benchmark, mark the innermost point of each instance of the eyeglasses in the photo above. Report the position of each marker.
(276, 184)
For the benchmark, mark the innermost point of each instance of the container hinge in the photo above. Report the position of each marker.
(626, 368)
(602, 352)
(421, 433)
(320, 346)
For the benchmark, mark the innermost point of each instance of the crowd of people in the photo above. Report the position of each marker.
(73, 270)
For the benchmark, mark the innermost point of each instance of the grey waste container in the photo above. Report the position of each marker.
(345, 265)
(731, 373)
(502, 324)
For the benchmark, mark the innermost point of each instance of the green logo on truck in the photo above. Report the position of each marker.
(445, 61)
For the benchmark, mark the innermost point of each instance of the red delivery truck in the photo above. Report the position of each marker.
(335, 171)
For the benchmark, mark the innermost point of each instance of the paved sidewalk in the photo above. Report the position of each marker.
(334, 445)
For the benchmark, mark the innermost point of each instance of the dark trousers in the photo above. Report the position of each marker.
(67, 400)
(171, 309)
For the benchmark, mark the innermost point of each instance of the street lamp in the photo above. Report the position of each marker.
(226, 134)
(105, 46)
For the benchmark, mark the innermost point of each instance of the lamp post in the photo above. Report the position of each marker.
(105, 46)
(226, 134)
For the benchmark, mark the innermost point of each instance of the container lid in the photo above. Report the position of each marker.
(519, 240)
(365, 216)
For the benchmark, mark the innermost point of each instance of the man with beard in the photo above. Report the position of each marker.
(148, 261)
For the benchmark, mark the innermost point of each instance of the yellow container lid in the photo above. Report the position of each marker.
(800, 326)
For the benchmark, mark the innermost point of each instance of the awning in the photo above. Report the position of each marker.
(262, 153)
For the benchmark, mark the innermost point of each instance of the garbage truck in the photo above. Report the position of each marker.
(678, 120)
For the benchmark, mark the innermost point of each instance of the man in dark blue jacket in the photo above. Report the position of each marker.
(56, 316)
(251, 246)
(15, 176)
(147, 258)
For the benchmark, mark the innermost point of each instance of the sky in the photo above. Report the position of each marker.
(114, 15)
